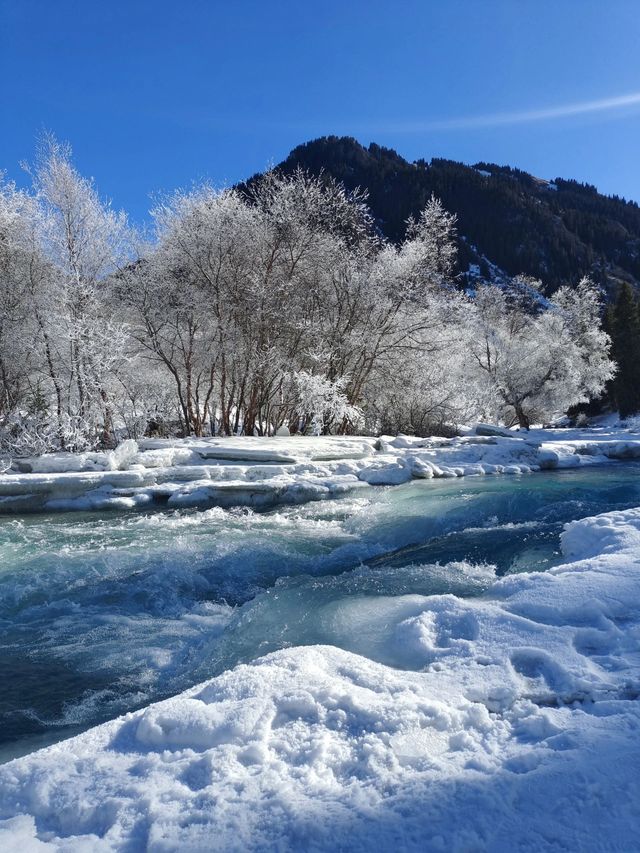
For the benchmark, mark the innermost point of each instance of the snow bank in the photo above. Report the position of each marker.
(604, 534)
(266, 472)
(507, 722)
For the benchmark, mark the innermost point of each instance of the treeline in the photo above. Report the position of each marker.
(623, 325)
(276, 304)
(558, 232)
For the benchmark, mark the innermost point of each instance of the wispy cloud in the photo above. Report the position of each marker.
(520, 117)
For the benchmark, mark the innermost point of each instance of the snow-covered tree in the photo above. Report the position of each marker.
(320, 404)
(536, 357)
(85, 241)
(16, 321)
(273, 304)
(429, 252)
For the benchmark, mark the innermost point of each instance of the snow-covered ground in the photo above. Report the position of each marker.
(264, 472)
(507, 722)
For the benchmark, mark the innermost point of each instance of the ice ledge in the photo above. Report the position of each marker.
(271, 471)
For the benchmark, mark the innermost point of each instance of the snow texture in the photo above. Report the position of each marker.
(506, 722)
(265, 472)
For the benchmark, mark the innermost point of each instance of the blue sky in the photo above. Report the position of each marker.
(154, 94)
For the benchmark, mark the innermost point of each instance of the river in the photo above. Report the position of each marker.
(104, 613)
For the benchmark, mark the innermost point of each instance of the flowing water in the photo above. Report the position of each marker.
(100, 614)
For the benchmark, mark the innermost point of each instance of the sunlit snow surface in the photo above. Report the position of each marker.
(268, 472)
(438, 709)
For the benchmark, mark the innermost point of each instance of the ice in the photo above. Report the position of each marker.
(385, 474)
(281, 470)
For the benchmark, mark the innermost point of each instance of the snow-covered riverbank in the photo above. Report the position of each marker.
(265, 472)
(512, 723)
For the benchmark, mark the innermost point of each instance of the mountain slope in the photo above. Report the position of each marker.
(556, 231)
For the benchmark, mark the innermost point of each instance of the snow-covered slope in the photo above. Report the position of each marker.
(265, 472)
(510, 722)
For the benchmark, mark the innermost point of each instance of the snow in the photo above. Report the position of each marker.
(265, 472)
(386, 473)
(502, 722)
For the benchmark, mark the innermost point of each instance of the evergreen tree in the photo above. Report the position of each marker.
(625, 327)
(557, 232)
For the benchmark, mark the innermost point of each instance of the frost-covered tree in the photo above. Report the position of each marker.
(59, 245)
(85, 241)
(430, 249)
(317, 404)
(273, 304)
(414, 384)
(536, 358)
(242, 288)
(16, 321)
(33, 417)
(425, 390)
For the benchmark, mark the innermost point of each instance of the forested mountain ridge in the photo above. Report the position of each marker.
(508, 220)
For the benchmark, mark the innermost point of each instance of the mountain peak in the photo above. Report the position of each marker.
(557, 230)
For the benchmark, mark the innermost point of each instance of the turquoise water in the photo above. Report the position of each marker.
(103, 614)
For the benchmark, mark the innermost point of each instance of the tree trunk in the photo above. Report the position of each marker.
(523, 420)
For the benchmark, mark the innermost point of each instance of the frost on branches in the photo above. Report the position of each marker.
(321, 404)
(253, 309)
(60, 341)
(538, 357)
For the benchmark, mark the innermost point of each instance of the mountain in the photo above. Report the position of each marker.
(508, 220)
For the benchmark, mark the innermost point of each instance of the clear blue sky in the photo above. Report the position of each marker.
(153, 94)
